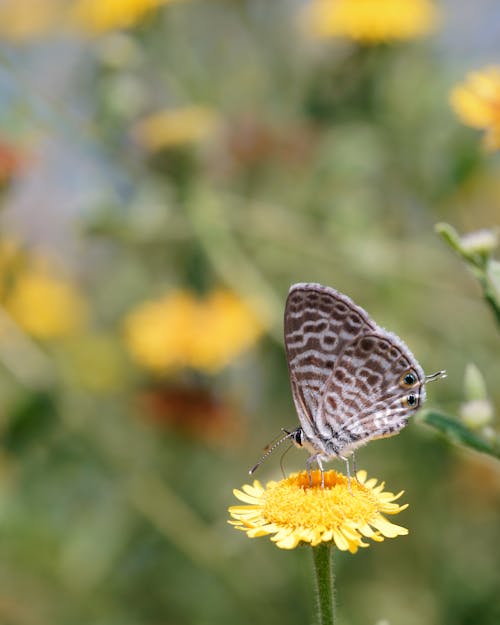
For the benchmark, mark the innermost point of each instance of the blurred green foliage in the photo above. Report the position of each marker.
(317, 161)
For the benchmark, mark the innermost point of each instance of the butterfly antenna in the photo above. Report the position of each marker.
(270, 448)
(435, 376)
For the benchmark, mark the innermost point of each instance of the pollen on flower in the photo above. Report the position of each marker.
(292, 511)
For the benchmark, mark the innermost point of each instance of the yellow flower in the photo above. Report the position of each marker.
(24, 19)
(157, 332)
(477, 103)
(226, 325)
(46, 306)
(292, 511)
(175, 127)
(179, 330)
(29, 19)
(96, 16)
(371, 21)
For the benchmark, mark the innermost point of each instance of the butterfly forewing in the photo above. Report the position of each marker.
(319, 323)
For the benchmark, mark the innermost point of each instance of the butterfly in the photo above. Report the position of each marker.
(352, 381)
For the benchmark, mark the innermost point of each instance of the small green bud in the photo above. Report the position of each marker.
(477, 413)
(474, 384)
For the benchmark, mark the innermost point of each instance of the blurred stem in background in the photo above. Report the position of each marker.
(229, 260)
(476, 249)
(474, 429)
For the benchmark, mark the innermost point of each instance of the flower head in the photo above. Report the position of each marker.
(477, 103)
(46, 305)
(372, 21)
(96, 16)
(292, 511)
(24, 20)
(180, 330)
(175, 127)
(480, 241)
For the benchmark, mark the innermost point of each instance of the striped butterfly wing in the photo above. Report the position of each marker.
(319, 324)
(376, 385)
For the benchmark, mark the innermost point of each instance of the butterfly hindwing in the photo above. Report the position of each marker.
(366, 396)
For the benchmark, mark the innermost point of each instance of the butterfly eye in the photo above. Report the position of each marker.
(296, 436)
(410, 400)
(408, 379)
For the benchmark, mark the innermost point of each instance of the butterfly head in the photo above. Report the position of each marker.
(297, 437)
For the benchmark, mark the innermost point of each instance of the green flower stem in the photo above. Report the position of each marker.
(324, 583)
(479, 263)
(490, 296)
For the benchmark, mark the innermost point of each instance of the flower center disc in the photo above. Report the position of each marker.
(293, 502)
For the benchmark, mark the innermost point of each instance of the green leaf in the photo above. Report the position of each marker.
(31, 420)
(459, 433)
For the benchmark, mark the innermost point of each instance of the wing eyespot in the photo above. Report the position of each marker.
(411, 400)
(408, 379)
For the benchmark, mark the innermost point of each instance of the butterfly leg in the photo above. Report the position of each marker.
(354, 467)
(320, 465)
(346, 460)
(309, 462)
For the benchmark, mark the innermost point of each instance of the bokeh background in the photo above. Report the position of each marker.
(167, 170)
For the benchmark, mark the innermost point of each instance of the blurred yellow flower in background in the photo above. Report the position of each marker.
(25, 19)
(12, 160)
(226, 325)
(292, 511)
(29, 19)
(371, 21)
(158, 333)
(46, 306)
(180, 330)
(477, 103)
(175, 127)
(96, 16)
